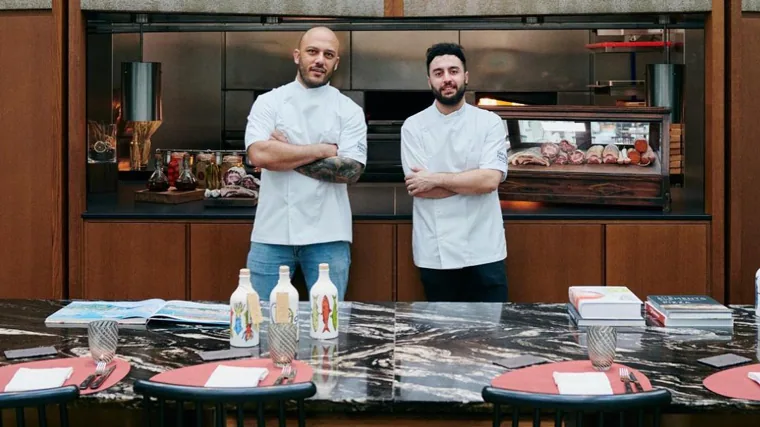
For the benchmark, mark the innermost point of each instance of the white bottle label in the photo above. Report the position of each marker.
(243, 332)
(324, 316)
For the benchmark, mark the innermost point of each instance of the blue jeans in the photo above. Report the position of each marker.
(264, 261)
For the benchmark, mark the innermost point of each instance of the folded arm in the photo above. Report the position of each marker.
(280, 156)
(341, 170)
(476, 181)
(422, 183)
(435, 193)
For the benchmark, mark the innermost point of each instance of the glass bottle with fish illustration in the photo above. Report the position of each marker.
(243, 331)
(284, 285)
(323, 300)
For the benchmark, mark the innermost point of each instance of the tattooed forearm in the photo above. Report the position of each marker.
(333, 169)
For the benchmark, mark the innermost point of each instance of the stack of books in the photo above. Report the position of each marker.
(687, 311)
(604, 306)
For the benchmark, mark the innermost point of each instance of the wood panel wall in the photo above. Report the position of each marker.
(32, 203)
(743, 196)
(76, 144)
(715, 146)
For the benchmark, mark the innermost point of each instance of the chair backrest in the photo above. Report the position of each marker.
(39, 399)
(219, 397)
(621, 406)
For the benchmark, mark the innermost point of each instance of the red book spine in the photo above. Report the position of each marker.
(656, 315)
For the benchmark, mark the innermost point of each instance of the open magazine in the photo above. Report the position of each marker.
(79, 313)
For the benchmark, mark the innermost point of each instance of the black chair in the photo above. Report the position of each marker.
(218, 397)
(40, 399)
(561, 406)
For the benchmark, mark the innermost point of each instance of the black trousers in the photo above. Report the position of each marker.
(478, 283)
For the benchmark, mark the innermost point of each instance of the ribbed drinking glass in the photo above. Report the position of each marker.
(282, 343)
(602, 342)
(103, 336)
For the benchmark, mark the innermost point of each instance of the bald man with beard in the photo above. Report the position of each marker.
(310, 141)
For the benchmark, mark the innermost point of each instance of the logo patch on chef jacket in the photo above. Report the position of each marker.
(502, 157)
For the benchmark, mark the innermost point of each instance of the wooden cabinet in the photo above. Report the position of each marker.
(658, 259)
(200, 261)
(409, 285)
(544, 259)
(540, 263)
(371, 277)
(132, 261)
(217, 253)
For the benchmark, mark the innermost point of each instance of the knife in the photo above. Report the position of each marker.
(635, 381)
(99, 381)
(86, 381)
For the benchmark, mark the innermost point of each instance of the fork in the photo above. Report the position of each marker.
(625, 379)
(291, 375)
(283, 375)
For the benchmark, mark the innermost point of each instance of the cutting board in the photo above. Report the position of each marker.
(170, 196)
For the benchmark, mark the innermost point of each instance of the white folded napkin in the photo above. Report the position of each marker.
(582, 383)
(26, 379)
(754, 376)
(236, 376)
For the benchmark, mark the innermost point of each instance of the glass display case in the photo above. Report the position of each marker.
(585, 154)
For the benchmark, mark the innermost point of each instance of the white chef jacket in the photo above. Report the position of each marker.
(295, 209)
(461, 230)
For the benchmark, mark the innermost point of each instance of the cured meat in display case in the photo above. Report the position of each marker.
(587, 154)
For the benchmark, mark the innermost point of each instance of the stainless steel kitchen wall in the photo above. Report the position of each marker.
(191, 65)
(99, 83)
(393, 60)
(527, 61)
(264, 60)
(694, 115)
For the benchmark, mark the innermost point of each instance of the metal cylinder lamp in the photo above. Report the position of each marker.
(141, 103)
(141, 91)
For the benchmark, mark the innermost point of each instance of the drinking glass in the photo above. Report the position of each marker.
(103, 335)
(282, 343)
(101, 142)
(602, 342)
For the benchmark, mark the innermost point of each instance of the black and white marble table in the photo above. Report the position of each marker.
(411, 357)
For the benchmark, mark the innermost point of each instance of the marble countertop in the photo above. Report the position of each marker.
(550, 7)
(370, 8)
(411, 356)
(374, 8)
(750, 5)
(25, 4)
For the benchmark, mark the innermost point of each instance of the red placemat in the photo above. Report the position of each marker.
(538, 378)
(735, 383)
(83, 366)
(197, 375)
